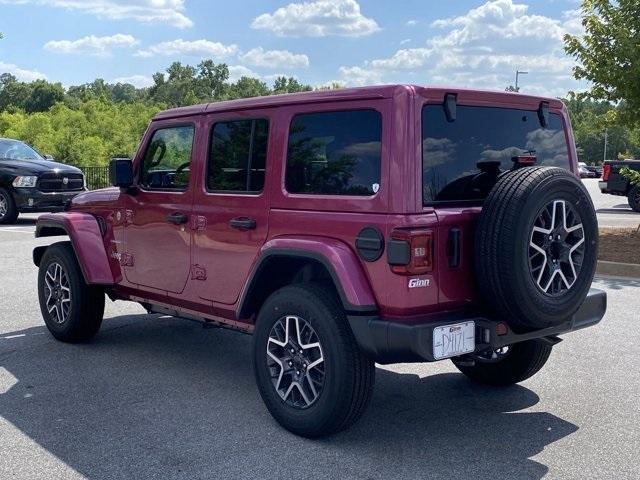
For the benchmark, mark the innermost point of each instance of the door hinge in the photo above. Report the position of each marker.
(198, 272)
(128, 217)
(126, 260)
(198, 223)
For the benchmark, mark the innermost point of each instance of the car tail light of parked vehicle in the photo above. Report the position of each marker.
(412, 252)
(606, 171)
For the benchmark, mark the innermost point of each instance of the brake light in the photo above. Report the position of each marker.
(606, 171)
(416, 252)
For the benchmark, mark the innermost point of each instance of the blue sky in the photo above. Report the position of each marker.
(353, 42)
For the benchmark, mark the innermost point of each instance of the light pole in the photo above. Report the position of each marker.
(606, 143)
(518, 73)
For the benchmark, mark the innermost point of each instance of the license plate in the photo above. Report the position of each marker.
(454, 340)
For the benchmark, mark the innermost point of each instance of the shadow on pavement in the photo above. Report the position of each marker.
(621, 211)
(153, 397)
(21, 222)
(617, 283)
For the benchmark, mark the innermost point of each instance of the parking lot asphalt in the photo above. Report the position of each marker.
(612, 210)
(159, 398)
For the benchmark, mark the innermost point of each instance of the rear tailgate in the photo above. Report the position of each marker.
(616, 182)
(461, 158)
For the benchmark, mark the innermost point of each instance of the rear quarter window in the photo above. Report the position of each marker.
(455, 154)
(335, 153)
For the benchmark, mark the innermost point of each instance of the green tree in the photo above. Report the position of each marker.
(248, 87)
(609, 54)
(289, 85)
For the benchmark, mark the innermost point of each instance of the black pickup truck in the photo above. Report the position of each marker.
(616, 184)
(30, 182)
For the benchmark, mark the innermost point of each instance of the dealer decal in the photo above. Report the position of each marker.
(419, 282)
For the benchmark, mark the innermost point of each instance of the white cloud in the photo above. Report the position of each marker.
(482, 49)
(411, 23)
(91, 45)
(196, 48)
(238, 71)
(360, 76)
(138, 81)
(318, 18)
(405, 41)
(166, 12)
(21, 73)
(274, 59)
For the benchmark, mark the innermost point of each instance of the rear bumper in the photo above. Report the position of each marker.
(33, 200)
(392, 342)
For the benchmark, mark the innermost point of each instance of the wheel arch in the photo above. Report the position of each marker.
(304, 260)
(86, 238)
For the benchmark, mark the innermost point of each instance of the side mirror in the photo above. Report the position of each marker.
(121, 172)
(49, 157)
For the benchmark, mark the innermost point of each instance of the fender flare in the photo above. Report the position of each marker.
(87, 241)
(337, 258)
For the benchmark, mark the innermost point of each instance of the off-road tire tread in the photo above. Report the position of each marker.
(361, 369)
(498, 221)
(633, 194)
(12, 210)
(524, 362)
(86, 321)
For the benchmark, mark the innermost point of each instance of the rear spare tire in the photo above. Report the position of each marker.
(536, 247)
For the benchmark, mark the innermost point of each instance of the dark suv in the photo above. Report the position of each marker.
(342, 228)
(31, 182)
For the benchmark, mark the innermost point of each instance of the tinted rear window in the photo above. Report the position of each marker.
(335, 153)
(238, 155)
(453, 153)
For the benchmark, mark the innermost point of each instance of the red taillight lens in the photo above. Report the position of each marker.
(606, 171)
(420, 255)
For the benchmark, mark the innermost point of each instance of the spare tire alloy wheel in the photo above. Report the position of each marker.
(57, 293)
(556, 248)
(295, 361)
(536, 247)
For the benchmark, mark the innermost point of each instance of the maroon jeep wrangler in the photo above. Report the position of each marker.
(383, 224)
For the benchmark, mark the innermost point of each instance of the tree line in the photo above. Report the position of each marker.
(87, 124)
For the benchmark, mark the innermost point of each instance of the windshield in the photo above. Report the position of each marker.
(460, 159)
(15, 150)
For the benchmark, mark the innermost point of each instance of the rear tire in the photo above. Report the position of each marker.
(8, 209)
(342, 381)
(72, 310)
(634, 198)
(522, 360)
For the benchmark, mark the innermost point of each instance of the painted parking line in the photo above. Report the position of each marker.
(17, 230)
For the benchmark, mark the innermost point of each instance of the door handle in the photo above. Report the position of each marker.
(177, 218)
(242, 223)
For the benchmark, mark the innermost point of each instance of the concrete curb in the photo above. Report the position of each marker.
(617, 269)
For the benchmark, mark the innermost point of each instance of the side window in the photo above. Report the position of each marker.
(237, 156)
(335, 153)
(166, 164)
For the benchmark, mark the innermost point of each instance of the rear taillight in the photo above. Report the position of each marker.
(606, 171)
(411, 252)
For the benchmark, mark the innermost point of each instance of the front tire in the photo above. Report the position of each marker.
(634, 198)
(311, 374)
(507, 367)
(72, 310)
(8, 209)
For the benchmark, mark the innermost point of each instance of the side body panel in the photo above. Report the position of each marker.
(159, 252)
(222, 254)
